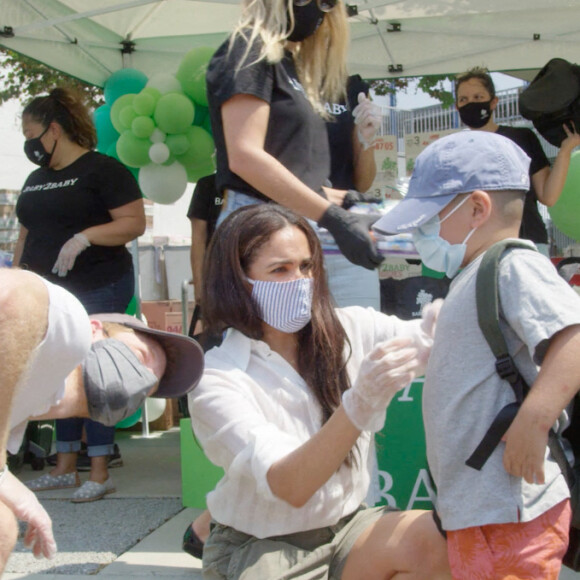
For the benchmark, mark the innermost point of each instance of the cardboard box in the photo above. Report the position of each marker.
(154, 312)
(166, 314)
(174, 322)
(168, 419)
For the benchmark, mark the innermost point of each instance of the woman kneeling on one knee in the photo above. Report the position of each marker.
(288, 405)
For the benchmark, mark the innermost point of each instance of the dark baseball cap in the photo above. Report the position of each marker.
(184, 355)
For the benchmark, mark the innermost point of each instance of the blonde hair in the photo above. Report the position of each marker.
(320, 59)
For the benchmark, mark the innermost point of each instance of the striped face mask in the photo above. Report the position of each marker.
(286, 306)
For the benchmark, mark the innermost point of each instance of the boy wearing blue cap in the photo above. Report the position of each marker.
(510, 519)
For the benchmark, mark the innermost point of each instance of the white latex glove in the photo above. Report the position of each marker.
(68, 254)
(27, 508)
(424, 340)
(367, 118)
(388, 368)
(422, 331)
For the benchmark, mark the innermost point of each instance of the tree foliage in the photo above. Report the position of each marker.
(432, 85)
(23, 78)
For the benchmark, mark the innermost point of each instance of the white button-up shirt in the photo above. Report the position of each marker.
(252, 408)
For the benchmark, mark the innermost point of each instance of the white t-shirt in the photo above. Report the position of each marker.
(462, 393)
(65, 345)
(252, 408)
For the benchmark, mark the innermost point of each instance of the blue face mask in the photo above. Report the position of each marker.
(437, 253)
(286, 306)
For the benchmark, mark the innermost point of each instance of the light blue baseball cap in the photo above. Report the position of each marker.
(458, 163)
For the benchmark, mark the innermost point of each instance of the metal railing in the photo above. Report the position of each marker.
(434, 119)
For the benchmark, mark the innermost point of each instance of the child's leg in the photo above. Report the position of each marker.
(529, 550)
(399, 545)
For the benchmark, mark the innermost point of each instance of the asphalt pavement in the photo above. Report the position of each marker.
(133, 533)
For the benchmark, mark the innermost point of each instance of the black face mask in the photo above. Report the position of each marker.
(307, 19)
(475, 115)
(35, 151)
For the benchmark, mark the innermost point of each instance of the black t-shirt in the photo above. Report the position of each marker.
(296, 134)
(533, 227)
(340, 134)
(206, 203)
(56, 204)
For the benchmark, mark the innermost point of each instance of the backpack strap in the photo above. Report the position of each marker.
(487, 300)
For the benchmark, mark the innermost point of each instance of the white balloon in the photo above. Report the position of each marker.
(163, 184)
(158, 136)
(155, 408)
(159, 153)
(165, 83)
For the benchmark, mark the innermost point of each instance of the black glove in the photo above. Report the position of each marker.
(351, 233)
(353, 196)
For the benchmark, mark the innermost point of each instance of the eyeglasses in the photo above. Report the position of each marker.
(323, 5)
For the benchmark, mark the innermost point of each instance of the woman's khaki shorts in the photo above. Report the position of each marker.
(312, 555)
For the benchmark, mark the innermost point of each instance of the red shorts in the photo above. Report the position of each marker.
(526, 550)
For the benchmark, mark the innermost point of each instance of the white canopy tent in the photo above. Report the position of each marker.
(90, 39)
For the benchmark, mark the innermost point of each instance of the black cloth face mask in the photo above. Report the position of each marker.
(35, 151)
(475, 114)
(307, 19)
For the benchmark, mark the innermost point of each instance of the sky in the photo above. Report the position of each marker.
(14, 167)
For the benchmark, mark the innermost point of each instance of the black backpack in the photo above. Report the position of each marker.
(553, 98)
(487, 299)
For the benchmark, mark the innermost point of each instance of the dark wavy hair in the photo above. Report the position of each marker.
(480, 73)
(227, 302)
(67, 108)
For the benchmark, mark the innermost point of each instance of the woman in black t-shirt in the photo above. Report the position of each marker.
(77, 212)
(267, 86)
(476, 102)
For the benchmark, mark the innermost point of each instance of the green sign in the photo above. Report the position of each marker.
(404, 479)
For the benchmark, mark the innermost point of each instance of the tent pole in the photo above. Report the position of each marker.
(126, 51)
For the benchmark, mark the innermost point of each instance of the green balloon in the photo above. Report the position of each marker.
(132, 307)
(201, 148)
(142, 127)
(132, 151)
(191, 73)
(178, 144)
(112, 152)
(121, 102)
(565, 213)
(153, 92)
(144, 103)
(174, 113)
(106, 133)
(201, 114)
(127, 116)
(207, 125)
(122, 82)
(194, 174)
(130, 420)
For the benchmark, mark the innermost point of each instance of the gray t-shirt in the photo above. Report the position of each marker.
(463, 394)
